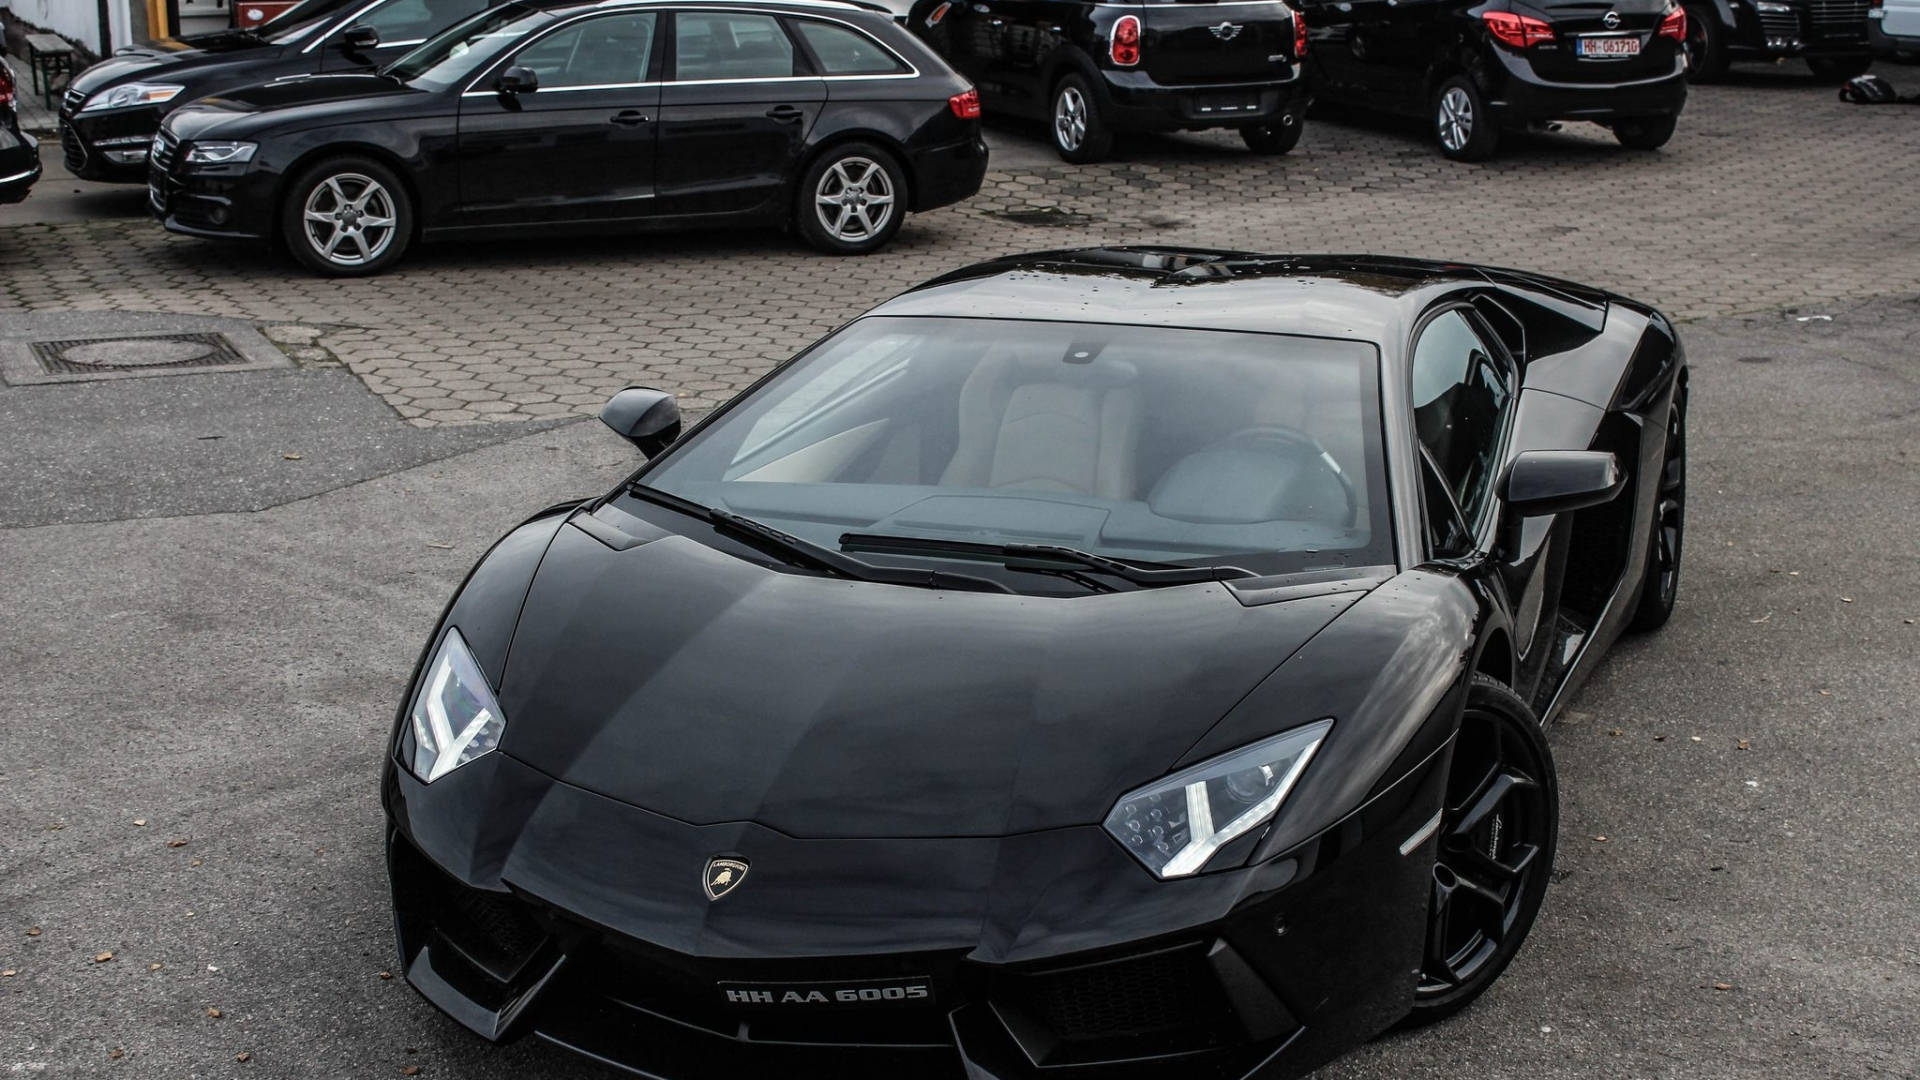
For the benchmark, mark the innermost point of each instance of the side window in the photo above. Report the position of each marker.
(612, 50)
(730, 45)
(841, 51)
(1462, 394)
(416, 20)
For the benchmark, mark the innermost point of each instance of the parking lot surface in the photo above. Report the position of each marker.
(216, 584)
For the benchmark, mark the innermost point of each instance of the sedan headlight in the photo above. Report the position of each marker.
(120, 97)
(220, 153)
(1175, 825)
(455, 717)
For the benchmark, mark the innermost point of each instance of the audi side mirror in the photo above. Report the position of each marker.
(1542, 482)
(645, 417)
(360, 39)
(518, 80)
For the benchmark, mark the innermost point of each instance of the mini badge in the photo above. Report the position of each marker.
(723, 875)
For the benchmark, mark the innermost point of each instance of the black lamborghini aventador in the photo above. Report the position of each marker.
(1132, 660)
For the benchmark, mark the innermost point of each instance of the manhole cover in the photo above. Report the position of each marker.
(126, 355)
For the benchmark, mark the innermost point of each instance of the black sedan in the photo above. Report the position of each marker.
(1123, 663)
(1090, 69)
(578, 116)
(1475, 69)
(112, 109)
(19, 152)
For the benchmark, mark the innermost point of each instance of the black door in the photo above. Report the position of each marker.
(1021, 36)
(402, 24)
(581, 146)
(1333, 46)
(1400, 42)
(734, 113)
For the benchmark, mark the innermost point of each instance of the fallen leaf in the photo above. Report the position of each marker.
(1599, 839)
(1762, 618)
(243, 1056)
(1659, 738)
(153, 967)
(1793, 573)
(140, 822)
(1846, 599)
(197, 862)
(409, 1070)
(176, 843)
(8, 973)
(1723, 986)
(386, 975)
(101, 958)
(33, 931)
(291, 457)
(1826, 693)
(1693, 738)
(1616, 731)
(442, 547)
(213, 1014)
(116, 1054)
(1744, 745)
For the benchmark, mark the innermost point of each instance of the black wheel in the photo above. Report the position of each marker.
(1276, 137)
(1838, 69)
(1706, 44)
(851, 201)
(347, 217)
(1461, 122)
(1495, 851)
(1645, 132)
(1080, 133)
(1662, 584)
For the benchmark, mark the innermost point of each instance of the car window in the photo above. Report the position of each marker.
(842, 51)
(730, 45)
(403, 21)
(612, 50)
(1462, 394)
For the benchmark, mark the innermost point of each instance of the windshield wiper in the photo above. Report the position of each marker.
(807, 553)
(1040, 558)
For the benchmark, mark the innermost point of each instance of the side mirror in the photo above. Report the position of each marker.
(1542, 482)
(647, 418)
(360, 39)
(519, 80)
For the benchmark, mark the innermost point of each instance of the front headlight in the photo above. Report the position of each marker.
(119, 97)
(1175, 825)
(455, 718)
(220, 153)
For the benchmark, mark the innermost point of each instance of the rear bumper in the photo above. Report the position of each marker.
(947, 174)
(1526, 98)
(1136, 103)
(615, 953)
(19, 165)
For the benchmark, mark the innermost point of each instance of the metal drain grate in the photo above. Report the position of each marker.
(88, 356)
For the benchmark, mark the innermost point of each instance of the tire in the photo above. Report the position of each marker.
(347, 217)
(1706, 44)
(1080, 133)
(1645, 132)
(1275, 138)
(1838, 69)
(1462, 125)
(1494, 852)
(851, 200)
(1665, 542)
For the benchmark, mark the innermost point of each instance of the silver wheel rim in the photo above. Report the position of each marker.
(854, 199)
(1070, 118)
(1456, 118)
(349, 219)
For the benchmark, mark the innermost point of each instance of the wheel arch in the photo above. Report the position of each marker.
(841, 138)
(317, 154)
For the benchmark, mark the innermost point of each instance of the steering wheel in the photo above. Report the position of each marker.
(1296, 441)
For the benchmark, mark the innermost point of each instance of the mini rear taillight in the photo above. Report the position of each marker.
(1125, 49)
(1299, 34)
(1518, 31)
(965, 106)
(1675, 24)
(6, 85)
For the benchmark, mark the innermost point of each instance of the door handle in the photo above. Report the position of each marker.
(630, 118)
(785, 114)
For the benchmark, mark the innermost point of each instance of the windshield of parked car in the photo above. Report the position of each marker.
(300, 20)
(1148, 444)
(457, 52)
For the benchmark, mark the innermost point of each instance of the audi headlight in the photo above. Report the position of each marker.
(220, 153)
(1175, 825)
(455, 718)
(120, 97)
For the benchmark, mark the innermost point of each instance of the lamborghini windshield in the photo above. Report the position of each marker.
(1147, 444)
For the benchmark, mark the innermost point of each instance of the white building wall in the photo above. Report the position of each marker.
(76, 20)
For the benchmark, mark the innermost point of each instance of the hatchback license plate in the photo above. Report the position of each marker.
(1609, 48)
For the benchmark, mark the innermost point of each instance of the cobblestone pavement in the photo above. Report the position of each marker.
(1773, 194)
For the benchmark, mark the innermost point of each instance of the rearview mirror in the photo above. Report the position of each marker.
(1542, 482)
(518, 80)
(360, 39)
(647, 418)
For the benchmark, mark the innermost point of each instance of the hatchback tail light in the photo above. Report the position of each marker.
(1299, 34)
(1675, 24)
(1125, 47)
(6, 85)
(1519, 31)
(966, 106)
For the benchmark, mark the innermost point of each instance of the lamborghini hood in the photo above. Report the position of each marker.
(682, 680)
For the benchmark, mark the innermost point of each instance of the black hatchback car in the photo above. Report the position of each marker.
(19, 153)
(1475, 69)
(1090, 69)
(579, 116)
(110, 113)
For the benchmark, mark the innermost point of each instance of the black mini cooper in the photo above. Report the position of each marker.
(1091, 69)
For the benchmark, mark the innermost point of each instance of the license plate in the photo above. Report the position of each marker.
(1226, 104)
(1609, 48)
(797, 997)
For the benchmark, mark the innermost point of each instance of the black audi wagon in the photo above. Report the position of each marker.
(1476, 69)
(1090, 69)
(1833, 36)
(576, 116)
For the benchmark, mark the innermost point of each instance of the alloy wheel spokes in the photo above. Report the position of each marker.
(349, 219)
(1070, 118)
(854, 199)
(1487, 800)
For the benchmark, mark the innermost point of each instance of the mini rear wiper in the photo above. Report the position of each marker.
(806, 553)
(1044, 558)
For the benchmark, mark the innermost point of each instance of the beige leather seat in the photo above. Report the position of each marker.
(1030, 420)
